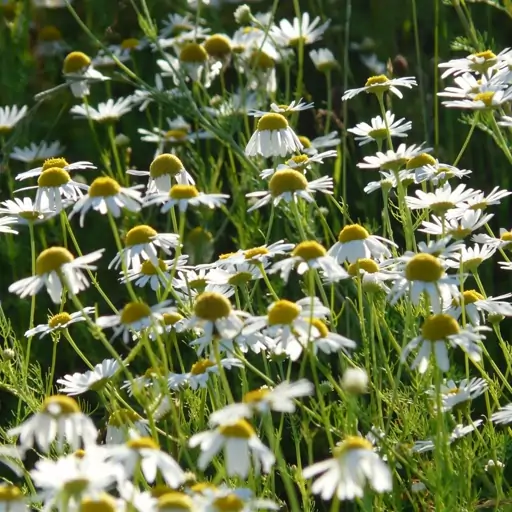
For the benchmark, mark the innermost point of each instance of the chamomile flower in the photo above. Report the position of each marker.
(354, 465)
(458, 432)
(200, 373)
(480, 62)
(161, 171)
(59, 321)
(285, 110)
(263, 400)
(183, 196)
(389, 180)
(324, 60)
(300, 32)
(176, 23)
(95, 379)
(106, 112)
(423, 273)
(392, 160)
(459, 228)
(24, 212)
(310, 255)
(60, 420)
(10, 116)
(122, 424)
(503, 416)
(194, 62)
(373, 275)
(300, 162)
(213, 314)
(190, 282)
(60, 163)
(79, 72)
(50, 42)
(289, 185)
(240, 444)
(479, 308)
(470, 258)
(255, 255)
(354, 242)
(467, 85)
(379, 129)
(442, 199)
(381, 84)
(143, 453)
(439, 332)
(489, 99)
(453, 394)
(142, 243)
(480, 200)
(312, 147)
(106, 196)
(215, 499)
(428, 168)
(135, 316)
(502, 242)
(37, 152)
(273, 137)
(57, 269)
(12, 499)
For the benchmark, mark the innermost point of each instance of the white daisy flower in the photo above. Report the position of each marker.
(303, 31)
(61, 163)
(235, 275)
(300, 162)
(310, 255)
(312, 147)
(423, 273)
(172, 137)
(480, 200)
(60, 420)
(453, 394)
(503, 416)
(106, 112)
(467, 85)
(142, 243)
(354, 242)
(504, 240)
(324, 60)
(285, 110)
(458, 432)
(289, 185)
(57, 269)
(442, 199)
(95, 379)
(37, 152)
(379, 129)
(255, 255)
(240, 444)
(50, 42)
(392, 159)
(176, 23)
(428, 168)
(273, 137)
(13, 499)
(437, 332)
(372, 274)
(200, 372)
(24, 211)
(263, 400)
(480, 62)
(190, 282)
(470, 258)
(59, 321)
(135, 316)
(486, 100)
(479, 308)
(215, 499)
(459, 228)
(353, 466)
(142, 453)
(440, 248)
(389, 180)
(381, 84)
(184, 196)
(122, 424)
(10, 116)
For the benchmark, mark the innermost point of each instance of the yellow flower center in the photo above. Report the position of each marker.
(485, 97)
(104, 187)
(295, 41)
(197, 284)
(129, 44)
(487, 55)
(183, 192)
(459, 233)
(201, 366)
(229, 503)
(300, 160)
(217, 46)
(50, 33)
(310, 250)
(272, 122)
(253, 253)
(76, 486)
(261, 60)
(506, 237)
(171, 318)
(420, 161)
(378, 133)
(286, 180)
(148, 269)
(469, 296)
(174, 501)
(142, 443)
(193, 53)
(10, 493)
(134, 311)
(79, 454)
(321, 327)
(305, 141)
(257, 395)
(103, 503)
(202, 486)
(59, 319)
(160, 490)
(52, 259)
(53, 177)
(424, 267)
(60, 405)
(362, 264)
(439, 327)
(352, 232)
(240, 279)
(165, 165)
(54, 162)
(376, 81)
(212, 306)
(240, 430)
(283, 312)
(176, 135)
(76, 62)
(123, 417)
(352, 443)
(472, 264)
(30, 215)
(140, 235)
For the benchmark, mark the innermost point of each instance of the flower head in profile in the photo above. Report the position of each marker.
(285, 110)
(10, 116)
(380, 84)
(479, 309)
(379, 129)
(479, 62)
(37, 152)
(59, 321)
(302, 31)
(453, 394)
(94, 379)
(392, 160)
(324, 60)
(59, 162)
(200, 372)
(106, 112)
(23, 212)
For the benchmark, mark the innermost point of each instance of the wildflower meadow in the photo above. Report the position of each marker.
(255, 256)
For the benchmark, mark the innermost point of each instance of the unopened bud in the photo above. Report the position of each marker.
(355, 381)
